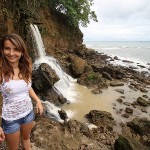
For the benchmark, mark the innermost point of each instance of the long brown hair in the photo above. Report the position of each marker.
(25, 64)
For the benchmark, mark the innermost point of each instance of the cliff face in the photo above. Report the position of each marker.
(58, 35)
(15, 17)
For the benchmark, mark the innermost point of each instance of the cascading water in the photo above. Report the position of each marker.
(65, 85)
(86, 100)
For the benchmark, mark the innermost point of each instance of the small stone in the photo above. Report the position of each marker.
(114, 104)
(144, 110)
(145, 96)
(120, 91)
(125, 115)
(121, 109)
(143, 90)
(127, 103)
(119, 100)
(129, 110)
(115, 83)
(96, 91)
(122, 96)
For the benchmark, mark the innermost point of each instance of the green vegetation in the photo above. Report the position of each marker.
(75, 11)
(93, 76)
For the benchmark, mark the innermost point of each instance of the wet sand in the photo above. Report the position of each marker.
(106, 101)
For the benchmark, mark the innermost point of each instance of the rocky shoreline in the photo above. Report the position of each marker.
(93, 70)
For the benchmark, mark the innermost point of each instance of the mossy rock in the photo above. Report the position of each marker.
(92, 76)
(142, 102)
(122, 144)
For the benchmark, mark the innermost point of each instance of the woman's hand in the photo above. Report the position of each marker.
(39, 107)
(2, 135)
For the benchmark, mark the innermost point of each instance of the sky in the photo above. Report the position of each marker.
(119, 20)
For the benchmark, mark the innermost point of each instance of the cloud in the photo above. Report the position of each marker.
(119, 20)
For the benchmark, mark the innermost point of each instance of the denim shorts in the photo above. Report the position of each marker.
(13, 126)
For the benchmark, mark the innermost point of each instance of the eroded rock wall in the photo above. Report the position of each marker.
(15, 17)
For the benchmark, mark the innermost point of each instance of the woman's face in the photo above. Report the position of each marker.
(11, 52)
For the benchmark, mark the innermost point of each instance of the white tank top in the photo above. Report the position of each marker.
(16, 100)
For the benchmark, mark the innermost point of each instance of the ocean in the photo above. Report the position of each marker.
(136, 51)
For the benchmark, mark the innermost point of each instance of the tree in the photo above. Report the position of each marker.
(77, 11)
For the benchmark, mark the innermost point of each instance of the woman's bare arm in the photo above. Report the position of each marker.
(39, 107)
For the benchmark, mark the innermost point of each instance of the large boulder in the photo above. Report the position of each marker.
(78, 65)
(44, 77)
(140, 129)
(140, 126)
(101, 118)
(91, 79)
(114, 72)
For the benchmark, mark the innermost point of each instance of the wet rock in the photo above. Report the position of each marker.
(78, 65)
(91, 79)
(141, 66)
(132, 67)
(120, 91)
(122, 144)
(119, 100)
(132, 87)
(116, 58)
(96, 91)
(140, 125)
(102, 85)
(142, 102)
(116, 73)
(145, 96)
(144, 110)
(133, 83)
(100, 118)
(62, 99)
(107, 75)
(127, 61)
(122, 96)
(134, 104)
(129, 110)
(44, 77)
(126, 115)
(145, 73)
(63, 114)
(120, 109)
(143, 90)
(127, 103)
(74, 126)
(116, 83)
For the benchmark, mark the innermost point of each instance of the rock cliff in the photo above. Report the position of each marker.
(16, 16)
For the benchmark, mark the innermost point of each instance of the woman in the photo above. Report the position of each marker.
(15, 86)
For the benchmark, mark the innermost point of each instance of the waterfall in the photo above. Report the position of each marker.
(65, 85)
